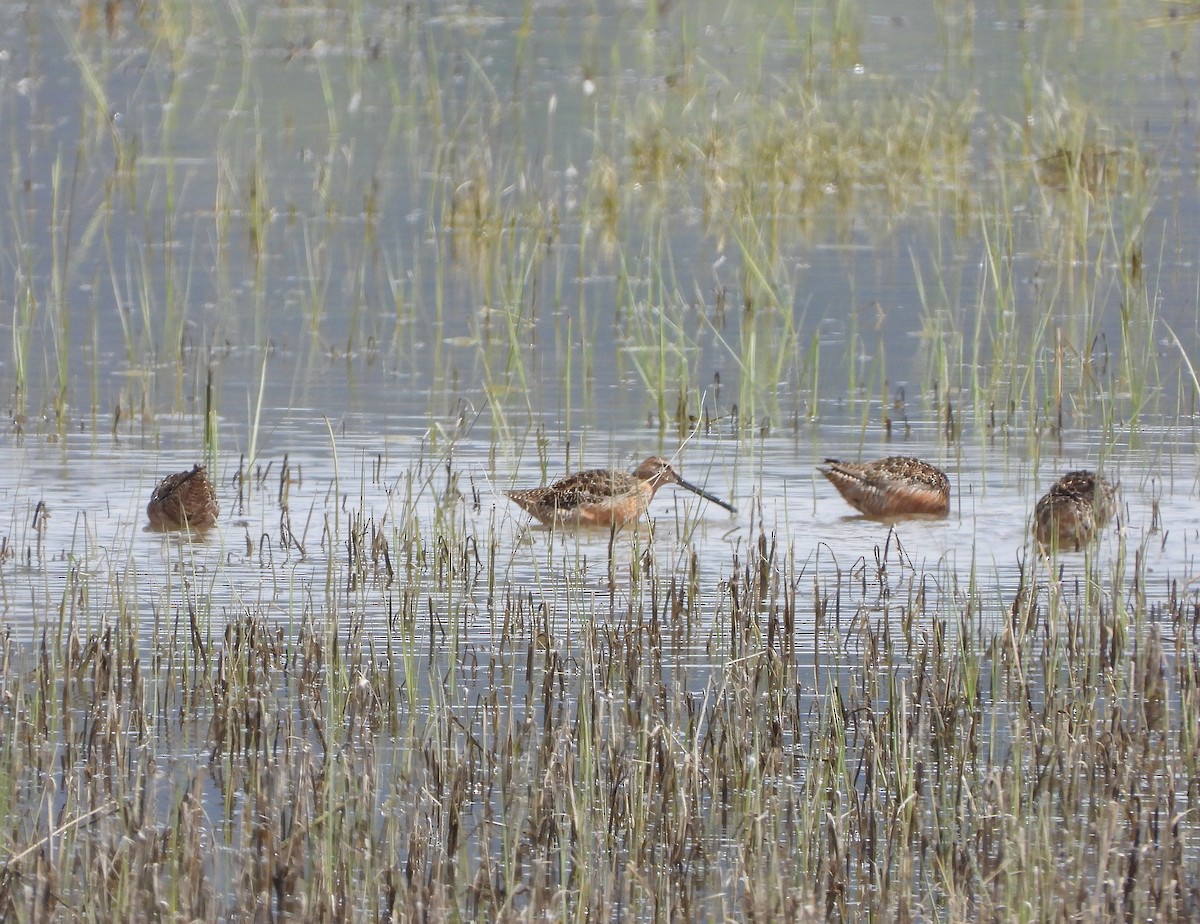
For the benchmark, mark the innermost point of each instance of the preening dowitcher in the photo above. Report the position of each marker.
(897, 486)
(602, 497)
(1071, 514)
(185, 499)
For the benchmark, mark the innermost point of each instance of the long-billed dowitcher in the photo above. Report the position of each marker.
(185, 499)
(602, 497)
(897, 486)
(1071, 514)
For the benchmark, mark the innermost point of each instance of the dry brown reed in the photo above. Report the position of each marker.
(809, 741)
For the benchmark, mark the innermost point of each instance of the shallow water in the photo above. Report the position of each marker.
(94, 491)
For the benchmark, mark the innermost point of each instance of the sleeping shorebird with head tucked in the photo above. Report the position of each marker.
(897, 486)
(182, 500)
(1073, 512)
(602, 497)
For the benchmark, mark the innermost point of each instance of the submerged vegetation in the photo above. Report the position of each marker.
(375, 266)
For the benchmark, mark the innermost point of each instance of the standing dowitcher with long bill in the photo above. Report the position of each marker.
(1073, 512)
(898, 486)
(183, 500)
(602, 497)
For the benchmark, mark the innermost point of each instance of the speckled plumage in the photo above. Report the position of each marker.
(1071, 514)
(897, 486)
(185, 499)
(602, 497)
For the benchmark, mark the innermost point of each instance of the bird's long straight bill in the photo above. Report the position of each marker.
(708, 497)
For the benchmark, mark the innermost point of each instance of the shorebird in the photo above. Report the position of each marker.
(897, 486)
(185, 499)
(602, 497)
(1071, 514)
